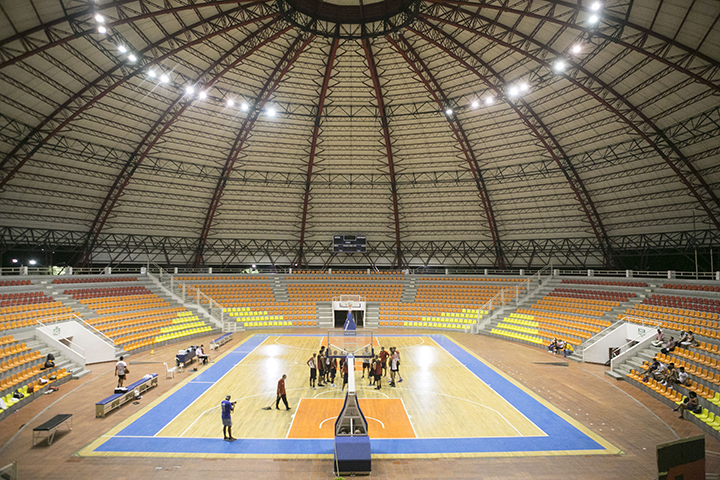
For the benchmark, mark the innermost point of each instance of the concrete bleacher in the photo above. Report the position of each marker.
(21, 362)
(674, 308)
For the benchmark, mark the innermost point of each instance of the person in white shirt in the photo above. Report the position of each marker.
(121, 370)
(682, 376)
(200, 352)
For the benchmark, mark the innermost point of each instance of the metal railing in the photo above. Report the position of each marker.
(188, 293)
(630, 348)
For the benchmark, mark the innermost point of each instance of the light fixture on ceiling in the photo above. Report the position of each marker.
(524, 87)
(475, 104)
(271, 111)
(122, 49)
(202, 95)
(244, 107)
(489, 101)
(14, 260)
(593, 19)
(559, 66)
(595, 6)
(102, 29)
(164, 78)
(151, 73)
(513, 91)
(230, 102)
(448, 112)
(189, 90)
(132, 58)
(99, 18)
(32, 262)
(576, 49)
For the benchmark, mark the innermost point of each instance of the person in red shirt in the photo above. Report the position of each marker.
(383, 360)
(281, 394)
(378, 372)
(344, 364)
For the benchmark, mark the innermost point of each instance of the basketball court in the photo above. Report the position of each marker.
(451, 403)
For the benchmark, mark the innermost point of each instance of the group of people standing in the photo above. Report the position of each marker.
(324, 367)
(377, 367)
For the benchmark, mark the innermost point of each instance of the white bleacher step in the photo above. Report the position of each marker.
(615, 375)
(80, 374)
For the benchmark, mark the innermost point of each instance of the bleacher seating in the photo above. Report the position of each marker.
(614, 283)
(326, 292)
(693, 287)
(217, 278)
(89, 293)
(275, 314)
(235, 295)
(470, 295)
(14, 283)
(93, 279)
(20, 316)
(416, 315)
(20, 368)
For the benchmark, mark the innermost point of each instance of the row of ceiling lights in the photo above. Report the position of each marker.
(513, 91)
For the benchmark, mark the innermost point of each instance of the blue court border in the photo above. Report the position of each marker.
(138, 437)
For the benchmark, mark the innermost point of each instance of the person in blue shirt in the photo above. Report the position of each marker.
(226, 408)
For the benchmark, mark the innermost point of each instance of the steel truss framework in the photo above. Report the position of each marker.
(160, 158)
(116, 250)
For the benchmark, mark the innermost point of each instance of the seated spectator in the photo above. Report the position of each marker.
(568, 350)
(200, 352)
(669, 346)
(688, 340)
(670, 375)
(553, 346)
(653, 366)
(660, 372)
(659, 337)
(690, 403)
(683, 378)
(49, 363)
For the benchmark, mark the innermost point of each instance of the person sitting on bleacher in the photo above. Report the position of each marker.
(670, 375)
(660, 372)
(688, 340)
(690, 403)
(552, 348)
(683, 378)
(653, 367)
(568, 350)
(200, 352)
(659, 337)
(669, 346)
(560, 347)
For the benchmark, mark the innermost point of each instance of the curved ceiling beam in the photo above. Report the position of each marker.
(109, 77)
(433, 87)
(300, 259)
(90, 11)
(372, 66)
(533, 121)
(264, 35)
(282, 67)
(503, 8)
(705, 195)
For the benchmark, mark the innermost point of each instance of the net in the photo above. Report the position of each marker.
(357, 342)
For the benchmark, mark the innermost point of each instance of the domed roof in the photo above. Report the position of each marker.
(435, 128)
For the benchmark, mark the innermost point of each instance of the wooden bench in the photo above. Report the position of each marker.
(118, 399)
(221, 340)
(51, 426)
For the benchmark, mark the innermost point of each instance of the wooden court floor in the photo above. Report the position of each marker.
(614, 411)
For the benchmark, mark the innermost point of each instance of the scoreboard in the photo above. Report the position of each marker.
(349, 243)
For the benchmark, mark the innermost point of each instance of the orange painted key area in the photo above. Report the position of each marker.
(387, 418)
